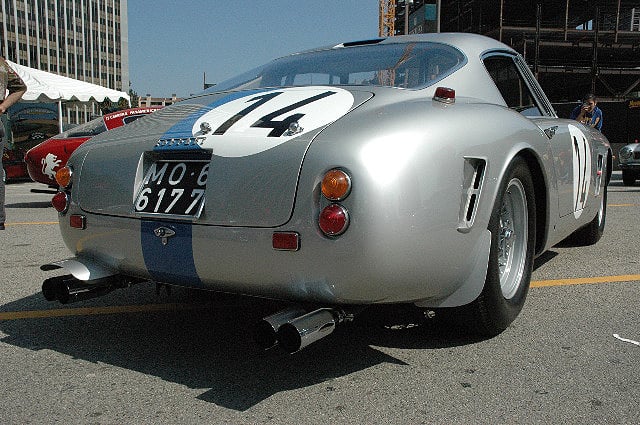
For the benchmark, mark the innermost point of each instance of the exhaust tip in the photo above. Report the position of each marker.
(264, 335)
(304, 330)
(294, 329)
(265, 331)
(68, 289)
(289, 338)
(57, 288)
(50, 288)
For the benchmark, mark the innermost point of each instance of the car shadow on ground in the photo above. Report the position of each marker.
(210, 345)
(39, 204)
(544, 258)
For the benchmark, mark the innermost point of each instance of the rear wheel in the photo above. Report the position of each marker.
(512, 227)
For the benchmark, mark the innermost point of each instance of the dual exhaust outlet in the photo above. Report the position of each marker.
(68, 289)
(294, 329)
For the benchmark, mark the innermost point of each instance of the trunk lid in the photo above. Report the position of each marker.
(253, 141)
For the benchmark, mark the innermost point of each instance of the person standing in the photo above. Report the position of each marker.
(588, 113)
(12, 84)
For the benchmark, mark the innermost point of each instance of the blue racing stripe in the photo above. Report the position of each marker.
(174, 263)
(171, 263)
(184, 128)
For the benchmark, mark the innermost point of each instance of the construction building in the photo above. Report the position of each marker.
(573, 47)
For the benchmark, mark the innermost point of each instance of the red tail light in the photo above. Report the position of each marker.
(60, 202)
(333, 220)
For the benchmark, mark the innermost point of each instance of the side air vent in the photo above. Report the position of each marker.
(474, 172)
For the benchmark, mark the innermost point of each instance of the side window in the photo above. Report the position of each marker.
(511, 85)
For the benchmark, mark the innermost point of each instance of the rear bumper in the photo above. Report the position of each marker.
(354, 269)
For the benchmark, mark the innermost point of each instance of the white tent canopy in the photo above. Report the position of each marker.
(45, 87)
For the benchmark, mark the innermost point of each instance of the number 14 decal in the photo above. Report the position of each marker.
(267, 121)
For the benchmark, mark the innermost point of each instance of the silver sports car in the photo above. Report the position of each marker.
(425, 170)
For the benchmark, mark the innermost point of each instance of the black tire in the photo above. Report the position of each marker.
(628, 178)
(512, 226)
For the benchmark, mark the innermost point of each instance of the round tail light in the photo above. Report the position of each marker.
(63, 176)
(60, 202)
(333, 220)
(336, 185)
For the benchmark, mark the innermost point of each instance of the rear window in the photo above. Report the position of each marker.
(407, 65)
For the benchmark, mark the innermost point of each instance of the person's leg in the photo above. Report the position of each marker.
(2, 213)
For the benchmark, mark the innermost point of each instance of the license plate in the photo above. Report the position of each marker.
(173, 188)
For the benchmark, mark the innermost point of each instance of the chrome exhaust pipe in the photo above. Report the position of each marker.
(265, 331)
(298, 333)
(68, 289)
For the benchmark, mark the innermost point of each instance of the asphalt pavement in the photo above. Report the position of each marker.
(136, 356)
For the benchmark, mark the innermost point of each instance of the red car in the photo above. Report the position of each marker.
(46, 158)
(14, 167)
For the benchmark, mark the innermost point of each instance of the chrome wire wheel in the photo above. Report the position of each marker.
(513, 229)
(512, 238)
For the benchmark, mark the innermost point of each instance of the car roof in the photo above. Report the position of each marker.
(470, 44)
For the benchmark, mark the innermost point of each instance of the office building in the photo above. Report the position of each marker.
(82, 39)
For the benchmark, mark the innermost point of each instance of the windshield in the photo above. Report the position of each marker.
(406, 65)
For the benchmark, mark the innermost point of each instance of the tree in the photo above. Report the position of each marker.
(135, 99)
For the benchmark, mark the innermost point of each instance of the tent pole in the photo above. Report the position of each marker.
(60, 115)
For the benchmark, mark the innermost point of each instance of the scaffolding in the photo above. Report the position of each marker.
(573, 46)
(387, 17)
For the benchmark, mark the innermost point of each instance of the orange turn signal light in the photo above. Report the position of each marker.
(336, 185)
(63, 176)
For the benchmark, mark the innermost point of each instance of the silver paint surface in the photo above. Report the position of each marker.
(405, 154)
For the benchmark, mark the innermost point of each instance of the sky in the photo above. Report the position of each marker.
(173, 43)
